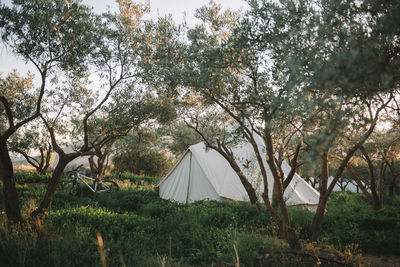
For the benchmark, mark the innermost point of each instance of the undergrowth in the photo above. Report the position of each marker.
(140, 229)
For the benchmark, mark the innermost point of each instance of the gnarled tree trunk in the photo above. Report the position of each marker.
(10, 191)
(323, 197)
(52, 185)
(287, 231)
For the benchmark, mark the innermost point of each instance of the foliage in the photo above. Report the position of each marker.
(139, 153)
(139, 228)
(50, 34)
(178, 137)
(20, 94)
(320, 71)
(139, 179)
(150, 163)
(22, 177)
(351, 220)
(30, 140)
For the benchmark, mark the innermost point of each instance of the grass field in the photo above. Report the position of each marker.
(137, 228)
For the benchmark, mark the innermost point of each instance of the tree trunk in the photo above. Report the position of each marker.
(93, 167)
(318, 218)
(52, 186)
(105, 165)
(101, 159)
(327, 190)
(289, 234)
(119, 165)
(372, 176)
(323, 197)
(381, 185)
(224, 151)
(275, 195)
(47, 161)
(10, 191)
(393, 184)
(41, 162)
(293, 166)
(251, 192)
(136, 164)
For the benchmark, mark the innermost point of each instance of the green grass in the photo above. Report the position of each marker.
(140, 229)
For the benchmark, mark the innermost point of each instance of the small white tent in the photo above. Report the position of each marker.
(204, 174)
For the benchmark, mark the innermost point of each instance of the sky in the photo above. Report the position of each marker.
(175, 7)
(180, 10)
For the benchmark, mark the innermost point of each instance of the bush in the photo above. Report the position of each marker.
(137, 179)
(350, 219)
(151, 163)
(22, 177)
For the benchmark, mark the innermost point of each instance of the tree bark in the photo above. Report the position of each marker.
(105, 165)
(227, 154)
(275, 195)
(47, 161)
(94, 170)
(393, 184)
(224, 151)
(243, 179)
(293, 165)
(318, 218)
(52, 186)
(381, 186)
(289, 234)
(98, 169)
(10, 191)
(119, 165)
(372, 177)
(323, 197)
(319, 215)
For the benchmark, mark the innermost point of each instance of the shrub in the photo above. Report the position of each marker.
(137, 179)
(351, 219)
(22, 177)
(150, 162)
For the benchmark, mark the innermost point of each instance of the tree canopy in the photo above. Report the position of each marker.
(317, 81)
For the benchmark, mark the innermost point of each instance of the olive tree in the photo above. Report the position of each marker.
(52, 36)
(343, 58)
(316, 72)
(121, 103)
(220, 68)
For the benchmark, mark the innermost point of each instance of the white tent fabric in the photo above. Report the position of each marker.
(204, 174)
(347, 185)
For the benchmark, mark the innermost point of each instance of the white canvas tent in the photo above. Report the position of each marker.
(204, 174)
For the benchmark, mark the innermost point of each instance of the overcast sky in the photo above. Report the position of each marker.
(179, 9)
